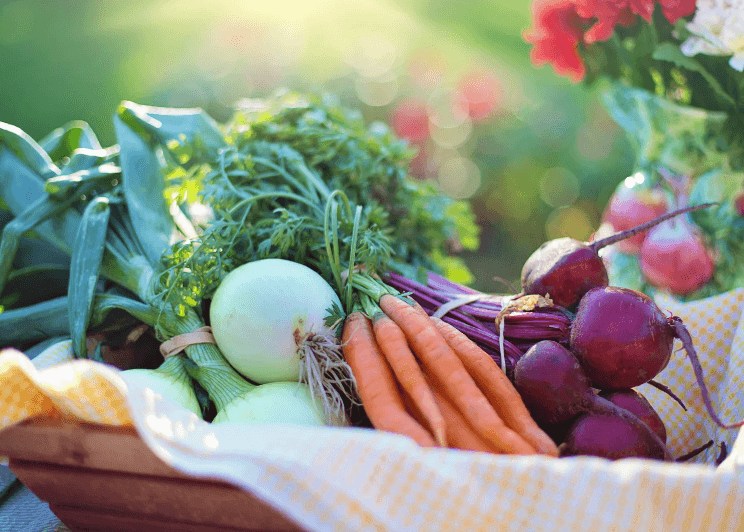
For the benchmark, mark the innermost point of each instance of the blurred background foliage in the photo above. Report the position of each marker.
(537, 156)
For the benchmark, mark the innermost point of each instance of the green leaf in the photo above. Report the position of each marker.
(168, 125)
(35, 322)
(35, 284)
(87, 255)
(63, 141)
(64, 185)
(27, 150)
(84, 159)
(22, 190)
(671, 53)
(143, 183)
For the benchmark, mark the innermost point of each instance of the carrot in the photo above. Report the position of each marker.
(459, 434)
(497, 388)
(394, 346)
(376, 383)
(451, 377)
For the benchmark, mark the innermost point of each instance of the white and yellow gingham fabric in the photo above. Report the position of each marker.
(357, 480)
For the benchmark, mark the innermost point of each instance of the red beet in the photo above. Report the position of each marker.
(566, 268)
(608, 436)
(630, 206)
(674, 257)
(554, 389)
(637, 404)
(622, 339)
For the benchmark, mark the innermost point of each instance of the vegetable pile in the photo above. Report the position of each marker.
(576, 368)
(288, 270)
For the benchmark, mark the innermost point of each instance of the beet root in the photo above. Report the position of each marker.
(608, 436)
(551, 382)
(554, 388)
(621, 338)
(565, 268)
(637, 404)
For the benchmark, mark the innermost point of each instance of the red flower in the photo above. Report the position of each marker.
(556, 35)
(676, 9)
(608, 13)
(560, 25)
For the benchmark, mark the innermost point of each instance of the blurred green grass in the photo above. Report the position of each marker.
(77, 60)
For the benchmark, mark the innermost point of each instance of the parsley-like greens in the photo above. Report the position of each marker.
(306, 180)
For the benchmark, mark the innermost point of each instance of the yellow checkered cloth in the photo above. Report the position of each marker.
(353, 479)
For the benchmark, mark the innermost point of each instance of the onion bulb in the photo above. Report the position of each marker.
(169, 380)
(268, 318)
(275, 402)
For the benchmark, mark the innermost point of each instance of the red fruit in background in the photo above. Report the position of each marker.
(739, 204)
(674, 257)
(483, 93)
(410, 120)
(632, 206)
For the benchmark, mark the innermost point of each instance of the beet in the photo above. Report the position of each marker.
(608, 436)
(554, 388)
(637, 404)
(566, 268)
(622, 339)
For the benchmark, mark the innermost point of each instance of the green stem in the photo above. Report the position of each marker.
(214, 372)
(273, 195)
(134, 273)
(286, 175)
(330, 228)
(318, 183)
(371, 287)
(352, 258)
(369, 306)
(173, 367)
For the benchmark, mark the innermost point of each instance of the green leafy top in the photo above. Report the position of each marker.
(304, 179)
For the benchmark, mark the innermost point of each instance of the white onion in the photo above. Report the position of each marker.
(263, 312)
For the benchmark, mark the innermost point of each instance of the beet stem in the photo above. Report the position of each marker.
(692, 454)
(622, 235)
(684, 336)
(722, 455)
(664, 388)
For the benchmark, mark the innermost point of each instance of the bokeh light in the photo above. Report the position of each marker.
(570, 222)
(377, 91)
(559, 187)
(459, 177)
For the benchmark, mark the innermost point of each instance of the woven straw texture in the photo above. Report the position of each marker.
(354, 479)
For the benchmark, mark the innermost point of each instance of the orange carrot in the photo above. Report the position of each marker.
(450, 376)
(459, 434)
(394, 346)
(497, 388)
(376, 383)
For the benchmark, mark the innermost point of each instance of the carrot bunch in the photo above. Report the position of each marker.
(419, 376)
